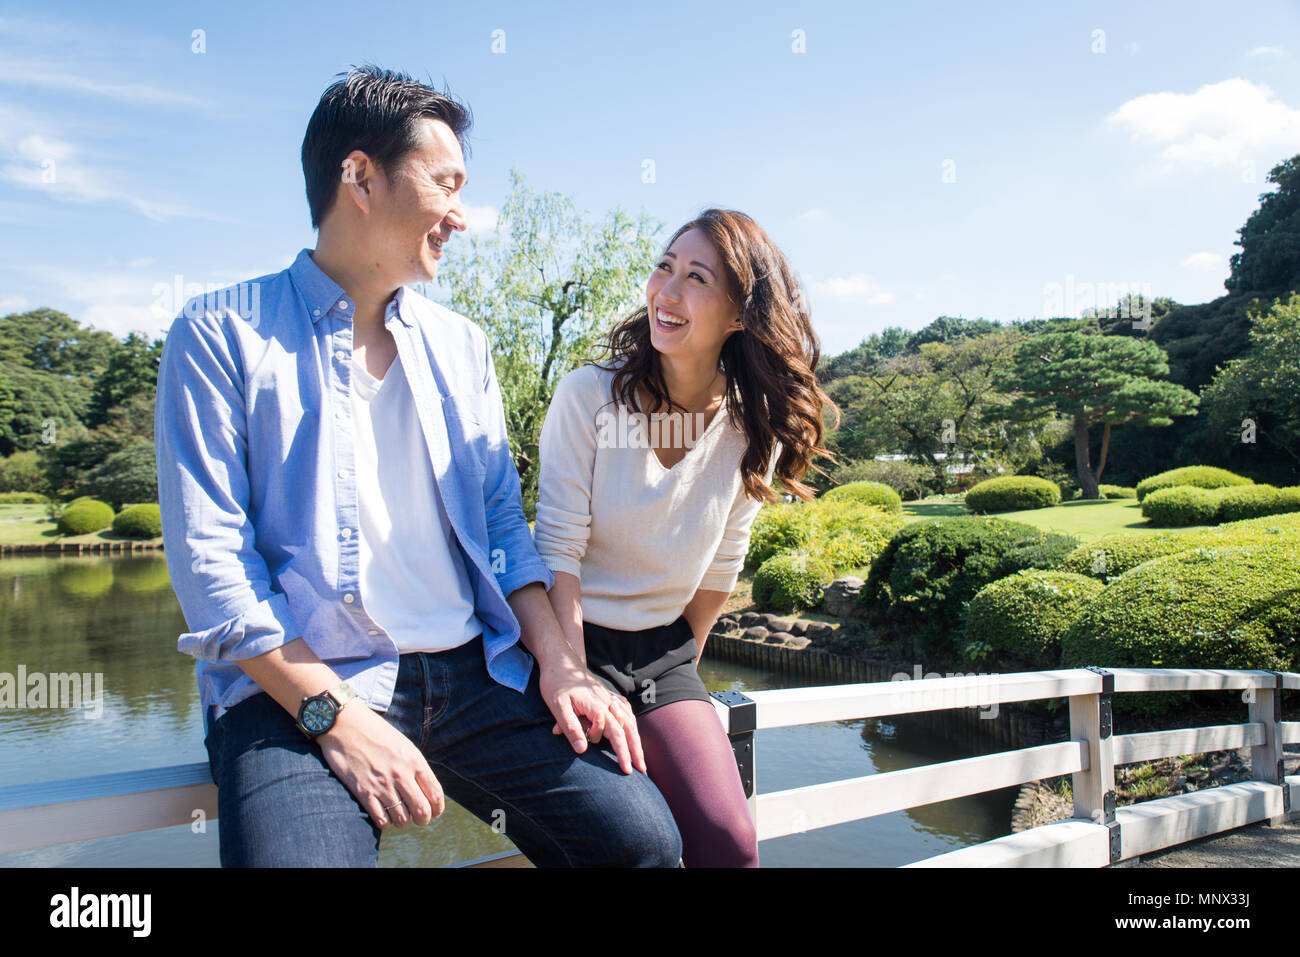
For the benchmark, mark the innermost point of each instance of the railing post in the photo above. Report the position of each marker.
(1266, 758)
(740, 722)
(1094, 789)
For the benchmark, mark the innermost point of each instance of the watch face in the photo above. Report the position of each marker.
(318, 715)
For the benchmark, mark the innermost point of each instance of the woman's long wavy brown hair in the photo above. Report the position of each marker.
(772, 391)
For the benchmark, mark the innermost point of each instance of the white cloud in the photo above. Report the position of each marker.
(1205, 261)
(857, 288)
(1265, 51)
(44, 75)
(1220, 123)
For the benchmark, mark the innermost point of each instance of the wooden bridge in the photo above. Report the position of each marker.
(1098, 835)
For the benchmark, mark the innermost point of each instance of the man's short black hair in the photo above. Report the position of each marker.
(375, 111)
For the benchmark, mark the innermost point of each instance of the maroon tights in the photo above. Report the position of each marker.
(690, 760)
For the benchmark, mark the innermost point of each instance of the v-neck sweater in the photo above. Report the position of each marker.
(642, 538)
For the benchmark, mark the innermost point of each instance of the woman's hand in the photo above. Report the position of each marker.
(586, 711)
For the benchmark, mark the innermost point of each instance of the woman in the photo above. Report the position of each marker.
(653, 466)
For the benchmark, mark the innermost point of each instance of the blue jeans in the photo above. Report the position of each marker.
(491, 749)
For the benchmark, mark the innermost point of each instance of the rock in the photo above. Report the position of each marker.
(778, 637)
(722, 626)
(749, 619)
(840, 597)
(818, 629)
(774, 623)
(757, 633)
(798, 642)
(798, 626)
(728, 621)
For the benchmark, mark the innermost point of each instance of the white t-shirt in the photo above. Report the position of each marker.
(642, 538)
(413, 578)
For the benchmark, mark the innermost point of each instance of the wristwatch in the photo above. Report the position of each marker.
(317, 714)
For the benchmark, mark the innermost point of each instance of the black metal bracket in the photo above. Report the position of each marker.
(1116, 849)
(1277, 696)
(1108, 808)
(742, 720)
(1103, 700)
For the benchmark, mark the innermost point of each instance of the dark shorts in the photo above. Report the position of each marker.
(650, 668)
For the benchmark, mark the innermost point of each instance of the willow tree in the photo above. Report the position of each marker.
(545, 286)
(1095, 380)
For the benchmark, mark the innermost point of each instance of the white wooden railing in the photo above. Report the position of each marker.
(1099, 833)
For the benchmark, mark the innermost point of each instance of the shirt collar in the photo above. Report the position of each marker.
(323, 294)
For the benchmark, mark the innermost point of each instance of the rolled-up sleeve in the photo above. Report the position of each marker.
(201, 443)
(568, 453)
(511, 550)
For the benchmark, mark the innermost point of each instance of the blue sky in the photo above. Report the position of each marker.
(913, 160)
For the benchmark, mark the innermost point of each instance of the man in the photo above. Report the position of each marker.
(343, 526)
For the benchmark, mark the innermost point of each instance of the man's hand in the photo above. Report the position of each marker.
(381, 767)
(585, 711)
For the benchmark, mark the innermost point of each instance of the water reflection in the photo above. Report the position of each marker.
(117, 616)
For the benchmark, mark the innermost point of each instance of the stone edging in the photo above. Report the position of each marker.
(79, 548)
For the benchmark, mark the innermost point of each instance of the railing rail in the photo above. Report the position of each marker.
(58, 812)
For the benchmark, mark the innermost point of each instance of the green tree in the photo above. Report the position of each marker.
(545, 287)
(1263, 385)
(51, 341)
(1269, 260)
(128, 476)
(1096, 380)
(132, 370)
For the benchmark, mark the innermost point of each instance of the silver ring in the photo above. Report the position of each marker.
(391, 806)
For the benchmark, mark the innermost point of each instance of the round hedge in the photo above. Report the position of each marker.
(1025, 614)
(1252, 501)
(1116, 491)
(868, 493)
(1181, 505)
(1012, 493)
(790, 581)
(139, 521)
(1200, 476)
(845, 534)
(23, 498)
(1112, 555)
(930, 570)
(1208, 607)
(84, 516)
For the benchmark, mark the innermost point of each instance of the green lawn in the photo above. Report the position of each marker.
(1086, 520)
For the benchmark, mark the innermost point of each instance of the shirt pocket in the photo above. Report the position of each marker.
(466, 415)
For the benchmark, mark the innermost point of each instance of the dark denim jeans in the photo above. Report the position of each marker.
(491, 749)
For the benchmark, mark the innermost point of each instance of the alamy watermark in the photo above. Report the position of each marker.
(980, 693)
(657, 430)
(63, 690)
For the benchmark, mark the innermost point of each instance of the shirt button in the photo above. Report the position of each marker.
(349, 598)
(341, 414)
(339, 355)
(342, 474)
(315, 312)
(346, 533)
(343, 303)
(374, 631)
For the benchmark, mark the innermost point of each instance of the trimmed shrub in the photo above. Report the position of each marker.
(22, 472)
(1198, 476)
(1181, 505)
(778, 528)
(909, 479)
(1011, 493)
(1026, 614)
(128, 475)
(930, 570)
(1208, 607)
(22, 498)
(85, 516)
(1112, 555)
(1116, 491)
(868, 493)
(139, 521)
(790, 581)
(1252, 501)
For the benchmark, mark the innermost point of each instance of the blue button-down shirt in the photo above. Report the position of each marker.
(257, 479)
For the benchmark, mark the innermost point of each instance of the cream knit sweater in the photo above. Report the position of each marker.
(641, 538)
